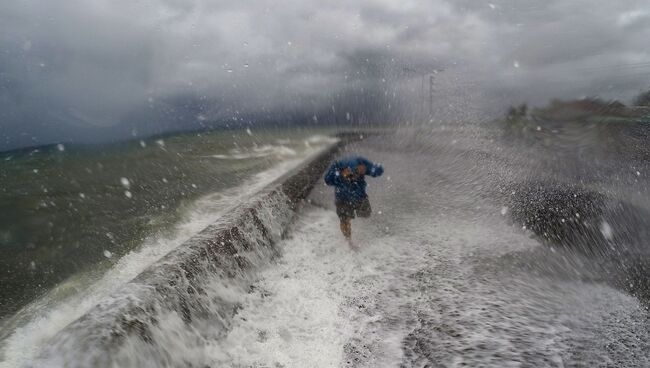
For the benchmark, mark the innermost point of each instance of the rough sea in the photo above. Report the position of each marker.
(481, 251)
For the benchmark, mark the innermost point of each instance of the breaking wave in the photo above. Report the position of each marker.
(32, 328)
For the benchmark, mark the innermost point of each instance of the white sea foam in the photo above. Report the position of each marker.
(280, 150)
(25, 332)
(324, 305)
(292, 318)
(314, 139)
(257, 152)
(305, 309)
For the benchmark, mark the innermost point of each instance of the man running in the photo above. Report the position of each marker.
(348, 176)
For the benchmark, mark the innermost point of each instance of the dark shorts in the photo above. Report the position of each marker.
(346, 210)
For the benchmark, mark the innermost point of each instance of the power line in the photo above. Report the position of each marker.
(617, 67)
(645, 64)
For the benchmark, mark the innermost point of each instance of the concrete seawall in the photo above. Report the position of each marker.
(185, 287)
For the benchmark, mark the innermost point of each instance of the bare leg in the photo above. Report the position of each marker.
(346, 228)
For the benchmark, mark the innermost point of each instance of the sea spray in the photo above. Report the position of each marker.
(187, 286)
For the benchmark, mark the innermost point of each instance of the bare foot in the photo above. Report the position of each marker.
(353, 245)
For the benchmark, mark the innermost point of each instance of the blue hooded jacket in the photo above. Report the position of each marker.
(352, 189)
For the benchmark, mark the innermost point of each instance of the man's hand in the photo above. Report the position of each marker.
(345, 173)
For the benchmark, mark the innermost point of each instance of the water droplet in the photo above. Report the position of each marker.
(107, 254)
(60, 147)
(128, 194)
(606, 230)
(125, 182)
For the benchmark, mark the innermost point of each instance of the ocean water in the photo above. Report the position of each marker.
(472, 257)
(78, 222)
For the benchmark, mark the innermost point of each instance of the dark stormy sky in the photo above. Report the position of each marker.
(87, 70)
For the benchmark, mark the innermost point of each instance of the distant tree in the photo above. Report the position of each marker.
(643, 99)
(523, 110)
(517, 112)
(512, 113)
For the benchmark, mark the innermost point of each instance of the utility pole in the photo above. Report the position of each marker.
(423, 98)
(430, 95)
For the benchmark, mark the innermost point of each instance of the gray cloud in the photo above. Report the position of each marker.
(83, 70)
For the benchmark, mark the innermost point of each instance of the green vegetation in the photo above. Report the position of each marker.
(643, 99)
(589, 122)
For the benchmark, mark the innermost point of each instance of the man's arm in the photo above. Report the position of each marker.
(333, 176)
(372, 169)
